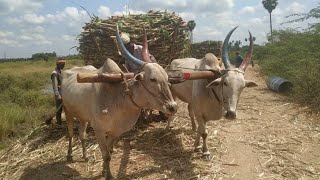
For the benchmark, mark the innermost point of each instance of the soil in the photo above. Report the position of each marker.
(272, 138)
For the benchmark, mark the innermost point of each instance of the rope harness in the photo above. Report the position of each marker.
(224, 99)
(128, 92)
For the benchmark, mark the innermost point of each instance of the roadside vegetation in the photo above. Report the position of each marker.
(295, 55)
(25, 96)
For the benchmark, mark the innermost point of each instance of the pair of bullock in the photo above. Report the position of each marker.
(113, 108)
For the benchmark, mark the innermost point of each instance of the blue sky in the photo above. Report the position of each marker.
(32, 26)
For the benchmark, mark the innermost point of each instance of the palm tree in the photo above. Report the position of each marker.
(270, 5)
(191, 25)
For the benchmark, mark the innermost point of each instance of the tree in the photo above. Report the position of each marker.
(237, 44)
(253, 38)
(191, 25)
(270, 5)
(313, 13)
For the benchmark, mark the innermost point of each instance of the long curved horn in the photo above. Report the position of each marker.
(248, 56)
(125, 51)
(145, 50)
(225, 56)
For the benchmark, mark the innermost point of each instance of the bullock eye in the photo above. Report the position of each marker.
(153, 80)
(225, 83)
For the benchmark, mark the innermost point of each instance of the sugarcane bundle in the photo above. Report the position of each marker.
(168, 37)
(201, 48)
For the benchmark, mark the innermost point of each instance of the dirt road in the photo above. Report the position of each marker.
(271, 139)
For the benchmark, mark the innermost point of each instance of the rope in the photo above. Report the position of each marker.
(127, 91)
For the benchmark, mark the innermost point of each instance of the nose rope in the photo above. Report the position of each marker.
(127, 91)
(218, 99)
(152, 94)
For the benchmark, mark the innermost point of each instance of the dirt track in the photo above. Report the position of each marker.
(271, 139)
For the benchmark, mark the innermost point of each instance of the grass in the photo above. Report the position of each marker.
(25, 96)
(295, 56)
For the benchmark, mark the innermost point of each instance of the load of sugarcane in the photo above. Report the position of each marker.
(198, 50)
(168, 37)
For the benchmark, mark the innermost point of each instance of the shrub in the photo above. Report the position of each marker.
(295, 56)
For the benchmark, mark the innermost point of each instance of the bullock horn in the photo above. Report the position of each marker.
(248, 56)
(225, 56)
(145, 50)
(126, 52)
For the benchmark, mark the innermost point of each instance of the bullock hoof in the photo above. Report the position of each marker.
(69, 158)
(206, 156)
(197, 149)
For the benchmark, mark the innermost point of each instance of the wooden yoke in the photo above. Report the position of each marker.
(102, 77)
(178, 76)
(175, 76)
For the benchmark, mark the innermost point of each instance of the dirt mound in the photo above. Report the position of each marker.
(271, 139)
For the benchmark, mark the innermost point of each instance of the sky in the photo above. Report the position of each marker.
(34, 26)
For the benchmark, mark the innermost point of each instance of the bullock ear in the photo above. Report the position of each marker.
(251, 83)
(214, 83)
(138, 77)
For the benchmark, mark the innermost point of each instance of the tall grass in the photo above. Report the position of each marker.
(25, 95)
(296, 57)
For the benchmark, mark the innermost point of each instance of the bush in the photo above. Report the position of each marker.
(295, 56)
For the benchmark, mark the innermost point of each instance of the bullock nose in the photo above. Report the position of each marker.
(231, 115)
(172, 107)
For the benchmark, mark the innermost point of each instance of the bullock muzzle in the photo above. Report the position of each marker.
(231, 115)
(171, 108)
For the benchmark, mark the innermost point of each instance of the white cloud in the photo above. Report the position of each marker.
(187, 16)
(43, 42)
(34, 19)
(295, 7)
(68, 38)
(27, 19)
(38, 29)
(26, 38)
(248, 9)
(127, 11)
(9, 42)
(198, 6)
(256, 21)
(69, 14)
(104, 12)
(4, 34)
(19, 6)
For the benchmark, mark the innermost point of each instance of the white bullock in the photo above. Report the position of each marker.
(111, 108)
(211, 100)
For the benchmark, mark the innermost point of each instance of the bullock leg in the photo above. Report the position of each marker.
(193, 123)
(197, 147)
(69, 120)
(107, 159)
(105, 144)
(82, 135)
(204, 134)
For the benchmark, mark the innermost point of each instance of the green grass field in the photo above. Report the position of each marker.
(25, 96)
